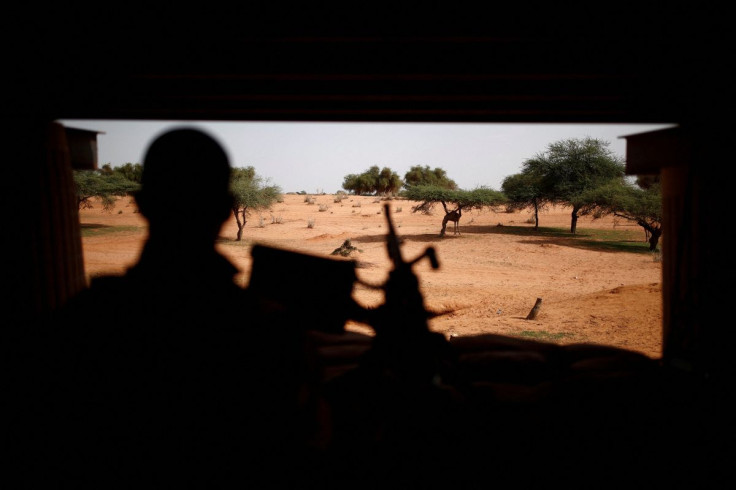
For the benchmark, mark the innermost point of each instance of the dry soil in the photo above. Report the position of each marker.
(490, 274)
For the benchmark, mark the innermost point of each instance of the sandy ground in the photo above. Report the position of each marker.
(489, 277)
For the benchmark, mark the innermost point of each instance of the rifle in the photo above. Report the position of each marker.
(403, 344)
(404, 370)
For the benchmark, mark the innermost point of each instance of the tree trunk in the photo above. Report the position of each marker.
(574, 220)
(653, 234)
(536, 215)
(241, 224)
(535, 310)
(444, 226)
(654, 239)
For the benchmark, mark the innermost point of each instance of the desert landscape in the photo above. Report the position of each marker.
(490, 275)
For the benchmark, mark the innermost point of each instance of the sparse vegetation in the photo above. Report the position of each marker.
(250, 194)
(545, 336)
(511, 254)
(563, 174)
(459, 199)
(345, 249)
(640, 204)
(424, 176)
(107, 185)
(373, 181)
(91, 230)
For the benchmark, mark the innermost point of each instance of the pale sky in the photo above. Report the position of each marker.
(315, 157)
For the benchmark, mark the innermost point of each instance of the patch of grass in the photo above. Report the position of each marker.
(545, 336)
(614, 240)
(524, 231)
(604, 240)
(616, 235)
(92, 230)
(231, 242)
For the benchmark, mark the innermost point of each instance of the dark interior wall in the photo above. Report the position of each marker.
(536, 62)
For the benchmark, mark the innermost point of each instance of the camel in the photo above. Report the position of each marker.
(453, 216)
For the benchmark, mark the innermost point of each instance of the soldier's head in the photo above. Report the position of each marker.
(185, 182)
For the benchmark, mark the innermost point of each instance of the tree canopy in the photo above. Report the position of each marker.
(250, 193)
(131, 171)
(107, 186)
(458, 199)
(524, 190)
(570, 167)
(373, 181)
(424, 176)
(631, 202)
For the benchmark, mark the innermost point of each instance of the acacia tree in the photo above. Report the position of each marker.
(388, 182)
(570, 167)
(424, 176)
(523, 190)
(642, 205)
(106, 186)
(457, 199)
(131, 171)
(250, 194)
(373, 181)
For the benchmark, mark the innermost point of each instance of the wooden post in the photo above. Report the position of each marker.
(535, 310)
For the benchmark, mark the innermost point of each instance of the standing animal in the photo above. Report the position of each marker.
(453, 216)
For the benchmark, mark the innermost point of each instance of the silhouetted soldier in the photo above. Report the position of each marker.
(162, 375)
